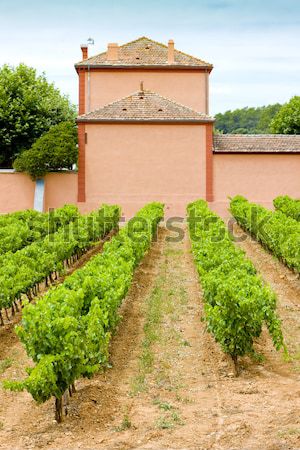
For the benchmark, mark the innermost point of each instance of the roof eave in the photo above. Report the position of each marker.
(147, 121)
(144, 67)
(256, 152)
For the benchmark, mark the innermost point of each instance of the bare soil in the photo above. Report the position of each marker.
(170, 386)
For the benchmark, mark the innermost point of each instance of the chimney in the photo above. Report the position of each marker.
(112, 53)
(84, 50)
(171, 52)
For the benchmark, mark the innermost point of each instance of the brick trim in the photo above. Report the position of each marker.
(129, 68)
(209, 163)
(207, 93)
(81, 74)
(146, 121)
(81, 196)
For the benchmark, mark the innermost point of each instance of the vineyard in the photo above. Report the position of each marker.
(145, 341)
(278, 231)
(237, 301)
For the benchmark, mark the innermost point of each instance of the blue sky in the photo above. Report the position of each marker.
(253, 44)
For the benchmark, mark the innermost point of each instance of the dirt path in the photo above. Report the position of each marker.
(170, 387)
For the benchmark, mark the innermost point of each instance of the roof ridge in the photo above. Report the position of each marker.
(122, 45)
(145, 37)
(194, 59)
(148, 91)
(180, 104)
(110, 103)
(165, 46)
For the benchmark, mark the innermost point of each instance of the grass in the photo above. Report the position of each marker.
(154, 313)
(164, 310)
(5, 364)
(125, 425)
(163, 405)
(289, 432)
(169, 421)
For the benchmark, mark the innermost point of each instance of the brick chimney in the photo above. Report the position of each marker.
(84, 50)
(112, 53)
(171, 52)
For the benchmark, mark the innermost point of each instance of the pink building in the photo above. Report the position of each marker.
(153, 140)
(145, 134)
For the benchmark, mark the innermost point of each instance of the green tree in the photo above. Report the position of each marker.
(267, 113)
(29, 106)
(247, 120)
(55, 150)
(287, 120)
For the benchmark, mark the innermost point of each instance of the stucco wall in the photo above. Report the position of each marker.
(166, 163)
(135, 164)
(60, 188)
(16, 192)
(259, 177)
(186, 87)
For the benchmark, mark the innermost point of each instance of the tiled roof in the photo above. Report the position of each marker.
(257, 143)
(144, 52)
(144, 106)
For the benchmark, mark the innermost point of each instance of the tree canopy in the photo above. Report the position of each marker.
(247, 120)
(287, 120)
(55, 150)
(29, 106)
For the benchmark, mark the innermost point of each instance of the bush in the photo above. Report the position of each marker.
(55, 150)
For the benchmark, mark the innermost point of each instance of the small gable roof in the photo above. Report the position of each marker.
(147, 53)
(257, 143)
(145, 106)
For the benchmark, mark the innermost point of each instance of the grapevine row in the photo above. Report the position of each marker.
(277, 232)
(24, 227)
(22, 272)
(288, 206)
(237, 301)
(68, 331)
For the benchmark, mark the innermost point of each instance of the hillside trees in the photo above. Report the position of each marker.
(247, 120)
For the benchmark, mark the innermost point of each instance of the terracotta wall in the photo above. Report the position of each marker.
(157, 162)
(134, 164)
(186, 87)
(16, 192)
(60, 188)
(260, 178)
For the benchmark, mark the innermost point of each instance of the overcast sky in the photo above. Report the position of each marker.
(254, 45)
